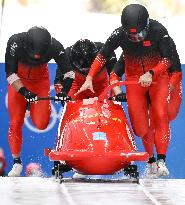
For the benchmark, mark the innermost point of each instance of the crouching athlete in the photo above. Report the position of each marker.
(26, 66)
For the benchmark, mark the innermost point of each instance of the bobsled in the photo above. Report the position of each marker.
(94, 137)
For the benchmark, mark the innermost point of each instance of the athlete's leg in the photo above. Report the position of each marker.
(158, 94)
(148, 141)
(175, 101)
(16, 108)
(41, 110)
(138, 109)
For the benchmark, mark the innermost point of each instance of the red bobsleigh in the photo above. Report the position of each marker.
(94, 137)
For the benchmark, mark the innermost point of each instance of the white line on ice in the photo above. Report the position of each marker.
(68, 197)
(147, 193)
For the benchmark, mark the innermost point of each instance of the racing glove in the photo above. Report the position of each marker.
(62, 97)
(121, 97)
(29, 96)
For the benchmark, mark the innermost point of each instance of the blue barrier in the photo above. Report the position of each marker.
(34, 142)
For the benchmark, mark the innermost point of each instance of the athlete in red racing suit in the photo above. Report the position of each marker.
(26, 67)
(148, 56)
(81, 56)
(174, 102)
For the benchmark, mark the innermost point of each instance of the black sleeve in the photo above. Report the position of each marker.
(176, 64)
(110, 63)
(166, 46)
(112, 43)
(64, 65)
(11, 59)
(58, 76)
(59, 73)
(119, 67)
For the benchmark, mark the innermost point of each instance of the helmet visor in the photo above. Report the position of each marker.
(138, 36)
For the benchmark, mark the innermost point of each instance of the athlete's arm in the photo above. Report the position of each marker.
(175, 71)
(117, 73)
(110, 63)
(111, 44)
(11, 63)
(166, 52)
(64, 66)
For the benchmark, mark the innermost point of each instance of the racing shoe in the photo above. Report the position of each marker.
(16, 170)
(161, 168)
(79, 176)
(151, 170)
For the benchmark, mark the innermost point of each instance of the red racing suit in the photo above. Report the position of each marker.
(154, 53)
(34, 75)
(173, 101)
(38, 83)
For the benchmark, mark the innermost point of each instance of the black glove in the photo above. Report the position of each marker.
(30, 97)
(121, 97)
(62, 97)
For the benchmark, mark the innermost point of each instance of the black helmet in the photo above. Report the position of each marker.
(135, 21)
(38, 41)
(83, 52)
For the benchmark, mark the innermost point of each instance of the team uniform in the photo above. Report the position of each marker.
(32, 69)
(147, 53)
(174, 101)
(140, 57)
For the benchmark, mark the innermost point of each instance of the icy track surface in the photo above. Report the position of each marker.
(45, 191)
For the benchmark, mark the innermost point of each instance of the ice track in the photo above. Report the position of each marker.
(46, 191)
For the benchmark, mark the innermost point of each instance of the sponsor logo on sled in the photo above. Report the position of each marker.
(99, 136)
